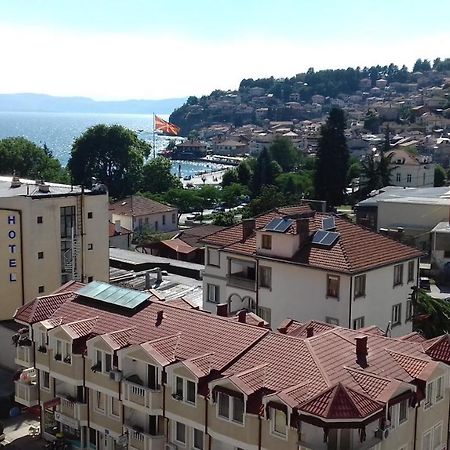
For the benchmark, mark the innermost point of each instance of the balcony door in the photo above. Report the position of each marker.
(152, 377)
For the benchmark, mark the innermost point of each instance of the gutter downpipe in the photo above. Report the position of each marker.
(259, 432)
(415, 427)
(350, 303)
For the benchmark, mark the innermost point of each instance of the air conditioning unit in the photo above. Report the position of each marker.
(382, 433)
(170, 446)
(115, 375)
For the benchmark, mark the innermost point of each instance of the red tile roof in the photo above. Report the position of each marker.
(122, 230)
(356, 250)
(119, 339)
(178, 246)
(294, 328)
(137, 205)
(80, 328)
(439, 348)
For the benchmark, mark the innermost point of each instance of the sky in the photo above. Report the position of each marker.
(123, 49)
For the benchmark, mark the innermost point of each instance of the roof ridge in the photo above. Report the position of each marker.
(316, 361)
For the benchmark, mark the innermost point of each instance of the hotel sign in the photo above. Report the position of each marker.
(13, 244)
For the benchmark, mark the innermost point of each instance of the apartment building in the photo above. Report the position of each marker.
(293, 262)
(49, 234)
(112, 368)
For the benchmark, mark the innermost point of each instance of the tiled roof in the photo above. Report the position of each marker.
(439, 349)
(200, 365)
(341, 402)
(70, 286)
(136, 205)
(122, 230)
(356, 250)
(178, 246)
(80, 328)
(250, 380)
(294, 328)
(194, 235)
(118, 339)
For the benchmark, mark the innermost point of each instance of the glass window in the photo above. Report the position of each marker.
(108, 362)
(409, 312)
(266, 241)
(397, 314)
(332, 286)
(213, 257)
(437, 435)
(198, 439)
(265, 277)
(403, 412)
(332, 320)
(279, 422)
(408, 178)
(179, 386)
(115, 407)
(45, 380)
(213, 293)
(100, 401)
(224, 405)
(429, 395)
(358, 323)
(439, 388)
(264, 313)
(360, 286)
(398, 274)
(163, 219)
(410, 271)
(238, 409)
(180, 432)
(58, 348)
(398, 177)
(190, 392)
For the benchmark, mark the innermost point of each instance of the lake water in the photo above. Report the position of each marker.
(58, 131)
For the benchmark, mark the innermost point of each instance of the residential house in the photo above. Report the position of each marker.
(293, 262)
(440, 251)
(409, 170)
(151, 375)
(190, 149)
(136, 213)
(119, 237)
(230, 147)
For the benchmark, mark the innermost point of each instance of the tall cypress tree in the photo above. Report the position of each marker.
(332, 160)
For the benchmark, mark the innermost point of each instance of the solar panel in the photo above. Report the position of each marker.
(113, 295)
(325, 238)
(279, 225)
(328, 223)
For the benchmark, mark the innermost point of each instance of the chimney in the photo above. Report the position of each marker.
(303, 229)
(309, 331)
(159, 317)
(222, 309)
(242, 315)
(361, 350)
(117, 227)
(248, 227)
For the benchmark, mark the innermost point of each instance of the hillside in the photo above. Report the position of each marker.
(284, 99)
(27, 102)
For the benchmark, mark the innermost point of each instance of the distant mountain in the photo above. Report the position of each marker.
(47, 103)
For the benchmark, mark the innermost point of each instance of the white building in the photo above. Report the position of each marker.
(410, 170)
(295, 263)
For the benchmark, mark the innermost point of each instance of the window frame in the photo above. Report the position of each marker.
(266, 241)
(64, 346)
(360, 292)
(184, 391)
(208, 257)
(332, 320)
(361, 319)
(273, 422)
(175, 434)
(202, 439)
(331, 278)
(268, 271)
(216, 289)
(396, 308)
(100, 395)
(111, 402)
(231, 408)
(398, 277)
(103, 359)
(411, 269)
(42, 378)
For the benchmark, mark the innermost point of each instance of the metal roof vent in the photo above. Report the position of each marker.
(42, 187)
(15, 182)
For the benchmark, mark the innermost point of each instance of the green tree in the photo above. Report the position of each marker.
(157, 176)
(332, 160)
(244, 173)
(431, 315)
(229, 177)
(266, 170)
(439, 176)
(232, 195)
(186, 200)
(208, 195)
(23, 158)
(294, 185)
(113, 155)
(225, 219)
(284, 153)
(269, 198)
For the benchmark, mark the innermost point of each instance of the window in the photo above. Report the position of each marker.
(100, 401)
(90, 215)
(41, 289)
(39, 219)
(115, 407)
(103, 361)
(62, 351)
(278, 422)
(266, 241)
(410, 271)
(403, 412)
(398, 274)
(398, 177)
(212, 293)
(360, 286)
(332, 286)
(184, 390)
(90, 279)
(156, 225)
(432, 438)
(332, 320)
(231, 408)
(198, 439)
(358, 323)
(146, 221)
(397, 314)
(434, 392)
(173, 218)
(45, 380)
(446, 254)
(409, 310)
(40, 255)
(264, 313)
(90, 246)
(163, 219)
(180, 432)
(213, 257)
(439, 389)
(140, 223)
(408, 178)
(265, 277)
(67, 221)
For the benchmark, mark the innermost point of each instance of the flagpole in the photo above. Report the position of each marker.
(154, 137)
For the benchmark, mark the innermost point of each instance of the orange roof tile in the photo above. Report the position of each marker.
(439, 349)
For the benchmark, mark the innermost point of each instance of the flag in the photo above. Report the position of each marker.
(166, 127)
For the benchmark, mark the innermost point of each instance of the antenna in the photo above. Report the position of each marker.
(387, 333)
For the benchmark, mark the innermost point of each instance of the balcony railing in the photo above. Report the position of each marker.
(26, 389)
(143, 441)
(241, 282)
(135, 394)
(23, 355)
(72, 408)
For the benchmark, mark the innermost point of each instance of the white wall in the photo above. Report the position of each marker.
(421, 175)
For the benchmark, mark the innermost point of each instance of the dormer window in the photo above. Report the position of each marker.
(230, 408)
(278, 422)
(62, 351)
(266, 242)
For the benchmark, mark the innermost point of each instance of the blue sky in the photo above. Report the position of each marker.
(114, 49)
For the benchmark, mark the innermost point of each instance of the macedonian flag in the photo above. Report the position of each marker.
(166, 127)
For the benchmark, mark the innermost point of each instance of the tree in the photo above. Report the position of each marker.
(295, 185)
(284, 153)
(269, 198)
(244, 173)
(232, 195)
(225, 219)
(186, 200)
(332, 160)
(439, 176)
(23, 158)
(208, 195)
(229, 177)
(431, 315)
(266, 170)
(112, 155)
(157, 176)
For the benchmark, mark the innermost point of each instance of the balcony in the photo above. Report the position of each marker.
(135, 395)
(143, 441)
(24, 356)
(240, 281)
(73, 409)
(26, 389)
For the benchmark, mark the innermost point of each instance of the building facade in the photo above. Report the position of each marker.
(356, 279)
(150, 375)
(409, 170)
(49, 234)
